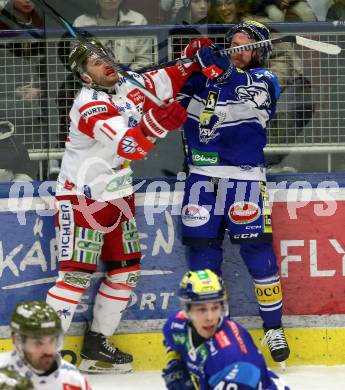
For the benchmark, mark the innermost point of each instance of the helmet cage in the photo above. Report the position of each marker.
(79, 55)
(256, 31)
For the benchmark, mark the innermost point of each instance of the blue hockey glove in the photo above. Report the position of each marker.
(215, 66)
(176, 376)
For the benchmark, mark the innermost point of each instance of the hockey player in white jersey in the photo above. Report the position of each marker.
(111, 123)
(37, 337)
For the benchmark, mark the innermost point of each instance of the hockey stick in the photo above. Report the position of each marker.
(323, 47)
(94, 49)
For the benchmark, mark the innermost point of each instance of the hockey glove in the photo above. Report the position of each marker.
(191, 49)
(158, 121)
(215, 66)
(243, 375)
(176, 376)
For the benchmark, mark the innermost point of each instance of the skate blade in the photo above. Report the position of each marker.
(283, 365)
(97, 366)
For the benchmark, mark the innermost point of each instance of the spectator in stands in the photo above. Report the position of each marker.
(287, 10)
(21, 13)
(134, 52)
(336, 11)
(23, 74)
(15, 164)
(192, 12)
(227, 11)
(170, 7)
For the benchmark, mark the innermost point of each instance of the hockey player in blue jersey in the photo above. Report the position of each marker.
(208, 350)
(229, 105)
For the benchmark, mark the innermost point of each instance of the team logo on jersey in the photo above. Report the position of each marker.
(244, 212)
(255, 94)
(128, 145)
(208, 126)
(208, 120)
(194, 215)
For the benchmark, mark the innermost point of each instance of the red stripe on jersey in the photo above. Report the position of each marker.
(111, 297)
(86, 124)
(113, 132)
(105, 133)
(178, 75)
(62, 299)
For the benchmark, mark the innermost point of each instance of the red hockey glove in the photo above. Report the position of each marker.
(191, 49)
(158, 121)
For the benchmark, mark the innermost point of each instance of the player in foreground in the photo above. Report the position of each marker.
(13, 380)
(37, 338)
(229, 107)
(208, 350)
(112, 123)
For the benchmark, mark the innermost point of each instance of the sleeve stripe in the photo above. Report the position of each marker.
(105, 133)
(112, 131)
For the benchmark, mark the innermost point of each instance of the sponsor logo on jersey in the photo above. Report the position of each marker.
(178, 325)
(253, 227)
(244, 212)
(119, 182)
(204, 158)
(128, 145)
(132, 122)
(64, 313)
(66, 233)
(136, 96)
(222, 339)
(89, 112)
(194, 215)
(236, 333)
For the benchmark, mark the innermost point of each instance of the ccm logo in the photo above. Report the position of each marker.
(246, 235)
(267, 291)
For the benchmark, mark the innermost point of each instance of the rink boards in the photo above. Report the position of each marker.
(309, 241)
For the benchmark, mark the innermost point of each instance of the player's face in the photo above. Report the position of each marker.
(242, 59)
(24, 6)
(100, 72)
(205, 317)
(41, 352)
(198, 9)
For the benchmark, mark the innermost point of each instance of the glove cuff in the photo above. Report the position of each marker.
(212, 71)
(151, 127)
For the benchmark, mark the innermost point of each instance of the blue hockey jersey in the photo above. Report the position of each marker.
(226, 127)
(231, 347)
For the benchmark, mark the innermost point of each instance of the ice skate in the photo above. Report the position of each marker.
(277, 344)
(98, 356)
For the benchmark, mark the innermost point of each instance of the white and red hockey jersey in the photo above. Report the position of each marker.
(65, 377)
(105, 134)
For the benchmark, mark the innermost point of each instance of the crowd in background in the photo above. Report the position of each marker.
(26, 92)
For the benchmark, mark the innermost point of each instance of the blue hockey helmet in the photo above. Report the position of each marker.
(257, 31)
(201, 287)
